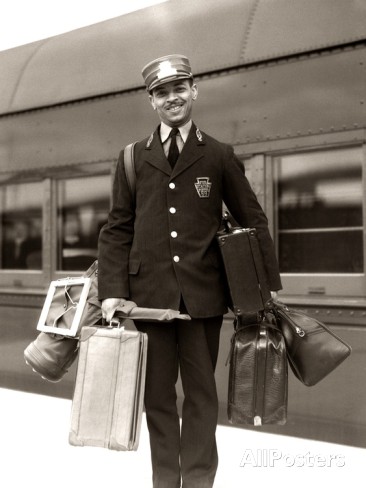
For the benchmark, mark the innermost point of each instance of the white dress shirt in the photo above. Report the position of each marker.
(181, 136)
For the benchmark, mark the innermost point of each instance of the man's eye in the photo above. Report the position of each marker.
(160, 93)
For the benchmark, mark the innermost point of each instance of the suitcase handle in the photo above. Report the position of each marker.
(114, 323)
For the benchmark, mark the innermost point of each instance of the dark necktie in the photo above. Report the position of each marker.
(173, 154)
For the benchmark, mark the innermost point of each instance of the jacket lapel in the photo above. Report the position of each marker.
(193, 150)
(154, 154)
(191, 153)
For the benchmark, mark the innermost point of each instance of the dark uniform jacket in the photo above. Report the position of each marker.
(162, 246)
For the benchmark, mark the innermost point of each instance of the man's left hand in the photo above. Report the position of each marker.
(274, 295)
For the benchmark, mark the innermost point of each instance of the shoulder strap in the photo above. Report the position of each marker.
(129, 161)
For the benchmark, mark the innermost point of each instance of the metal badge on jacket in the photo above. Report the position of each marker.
(203, 186)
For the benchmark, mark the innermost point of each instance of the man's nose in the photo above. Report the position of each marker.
(172, 95)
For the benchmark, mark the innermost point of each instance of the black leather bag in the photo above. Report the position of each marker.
(258, 380)
(244, 268)
(258, 365)
(313, 350)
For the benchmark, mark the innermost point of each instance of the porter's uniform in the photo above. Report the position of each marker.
(159, 250)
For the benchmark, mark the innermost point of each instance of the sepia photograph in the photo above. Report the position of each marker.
(182, 243)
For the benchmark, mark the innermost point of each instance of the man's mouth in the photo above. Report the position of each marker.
(174, 108)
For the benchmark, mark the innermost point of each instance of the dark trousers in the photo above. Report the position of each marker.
(188, 453)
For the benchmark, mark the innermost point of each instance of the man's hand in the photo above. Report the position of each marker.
(109, 306)
(274, 296)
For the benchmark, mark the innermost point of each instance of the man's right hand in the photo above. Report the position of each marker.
(109, 306)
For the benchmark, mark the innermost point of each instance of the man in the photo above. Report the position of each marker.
(159, 250)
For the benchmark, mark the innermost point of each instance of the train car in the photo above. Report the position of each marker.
(283, 81)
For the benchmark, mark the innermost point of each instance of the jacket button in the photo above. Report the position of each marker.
(172, 186)
(176, 259)
(172, 210)
(174, 234)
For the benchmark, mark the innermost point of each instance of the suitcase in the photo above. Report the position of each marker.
(258, 377)
(109, 389)
(71, 304)
(244, 268)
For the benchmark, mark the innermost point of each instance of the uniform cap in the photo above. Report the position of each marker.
(166, 69)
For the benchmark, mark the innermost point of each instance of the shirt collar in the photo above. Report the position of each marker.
(183, 130)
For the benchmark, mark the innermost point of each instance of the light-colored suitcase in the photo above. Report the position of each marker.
(109, 389)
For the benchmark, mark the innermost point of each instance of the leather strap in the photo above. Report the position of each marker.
(129, 160)
(260, 380)
(259, 267)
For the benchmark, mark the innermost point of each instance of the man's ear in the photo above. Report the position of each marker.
(194, 91)
(151, 98)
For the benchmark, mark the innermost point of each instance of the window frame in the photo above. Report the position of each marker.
(56, 273)
(32, 281)
(23, 278)
(315, 285)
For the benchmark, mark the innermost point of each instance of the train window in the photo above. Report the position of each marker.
(21, 226)
(82, 209)
(320, 222)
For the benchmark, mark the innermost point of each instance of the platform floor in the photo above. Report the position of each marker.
(34, 452)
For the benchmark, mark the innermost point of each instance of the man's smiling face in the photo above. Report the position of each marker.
(173, 101)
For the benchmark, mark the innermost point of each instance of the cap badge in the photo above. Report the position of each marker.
(165, 70)
(203, 186)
